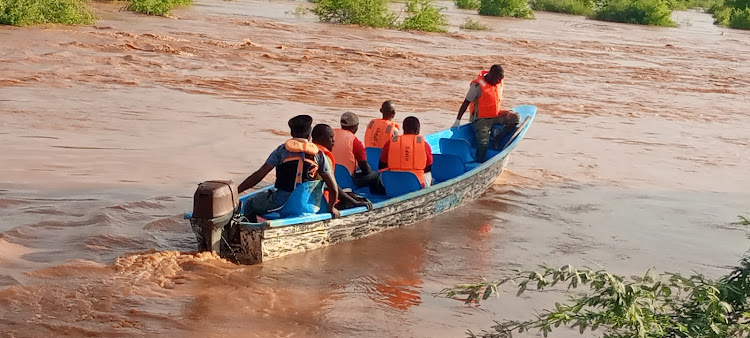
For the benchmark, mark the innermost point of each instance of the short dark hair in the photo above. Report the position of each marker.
(498, 69)
(300, 125)
(387, 107)
(321, 131)
(411, 125)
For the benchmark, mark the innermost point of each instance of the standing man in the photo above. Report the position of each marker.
(350, 152)
(379, 131)
(296, 161)
(484, 99)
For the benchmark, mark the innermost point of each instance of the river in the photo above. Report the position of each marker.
(637, 159)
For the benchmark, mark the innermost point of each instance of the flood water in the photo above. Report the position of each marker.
(637, 159)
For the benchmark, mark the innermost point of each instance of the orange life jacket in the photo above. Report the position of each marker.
(305, 169)
(491, 99)
(379, 131)
(344, 149)
(407, 153)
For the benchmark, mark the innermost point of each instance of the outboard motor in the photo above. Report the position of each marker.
(214, 205)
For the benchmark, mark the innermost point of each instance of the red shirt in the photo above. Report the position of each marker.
(427, 150)
(359, 150)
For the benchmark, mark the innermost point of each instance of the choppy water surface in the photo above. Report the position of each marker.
(638, 159)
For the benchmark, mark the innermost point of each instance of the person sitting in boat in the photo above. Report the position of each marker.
(322, 136)
(409, 152)
(379, 131)
(296, 161)
(350, 152)
(484, 99)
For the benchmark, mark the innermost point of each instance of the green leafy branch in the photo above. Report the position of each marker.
(652, 305)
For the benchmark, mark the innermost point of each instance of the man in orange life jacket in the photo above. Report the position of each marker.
(350, 152)
(409, 152)
(322, 136)
(379, 131)
(485, 98)
(296, 161)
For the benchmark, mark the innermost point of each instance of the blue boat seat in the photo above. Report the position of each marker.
(457, 147)
(399, 183)
(446, 167)
(306, 199)
(343, 178)
(373, 157)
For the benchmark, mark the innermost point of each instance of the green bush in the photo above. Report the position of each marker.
(474, 25)
(511, 8)
(155, 7)
(643, 12)
(33, 12)
(467, 4)
(740, 19)
(424, 16)
(733, 14)
(578, 7)
(372, 13)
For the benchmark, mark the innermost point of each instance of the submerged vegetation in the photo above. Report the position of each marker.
(578, 7)
(643, 12)
(467, 4)
(509, 8)
(664, 305)
(371, 13)
(474, 25)
(34, 12)
(155, 7)
(424, 16)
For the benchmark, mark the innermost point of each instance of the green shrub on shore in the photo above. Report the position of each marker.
(578, 7)
(155, 7)
(733, 14)
(643, 12)
(371, 13)
(509, 8)
(34, 12)
(424, 16)
(467, 4)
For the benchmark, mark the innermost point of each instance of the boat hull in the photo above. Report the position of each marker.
(261, 244)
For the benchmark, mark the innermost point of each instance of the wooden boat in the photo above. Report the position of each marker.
(250, 243)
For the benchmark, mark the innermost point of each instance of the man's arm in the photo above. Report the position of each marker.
(364, 166)
(255, 178)
(345, 197)
(383, 161)
(333, 193)
(462, 110)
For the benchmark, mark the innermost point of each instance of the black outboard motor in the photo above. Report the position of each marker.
(214, 205)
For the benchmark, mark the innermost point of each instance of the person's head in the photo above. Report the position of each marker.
(350, 122)
(411, 125)
(300, 126)
(495, 75)
(322, 134)
(388, 110)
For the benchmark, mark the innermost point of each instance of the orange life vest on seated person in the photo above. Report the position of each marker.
(344, 149)
(491, 99)
(300, 164)
(407, 153)
(379, 131)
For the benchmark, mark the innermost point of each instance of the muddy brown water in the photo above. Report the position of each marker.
(638, 159)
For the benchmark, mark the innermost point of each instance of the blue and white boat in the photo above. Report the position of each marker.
(457, 179)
